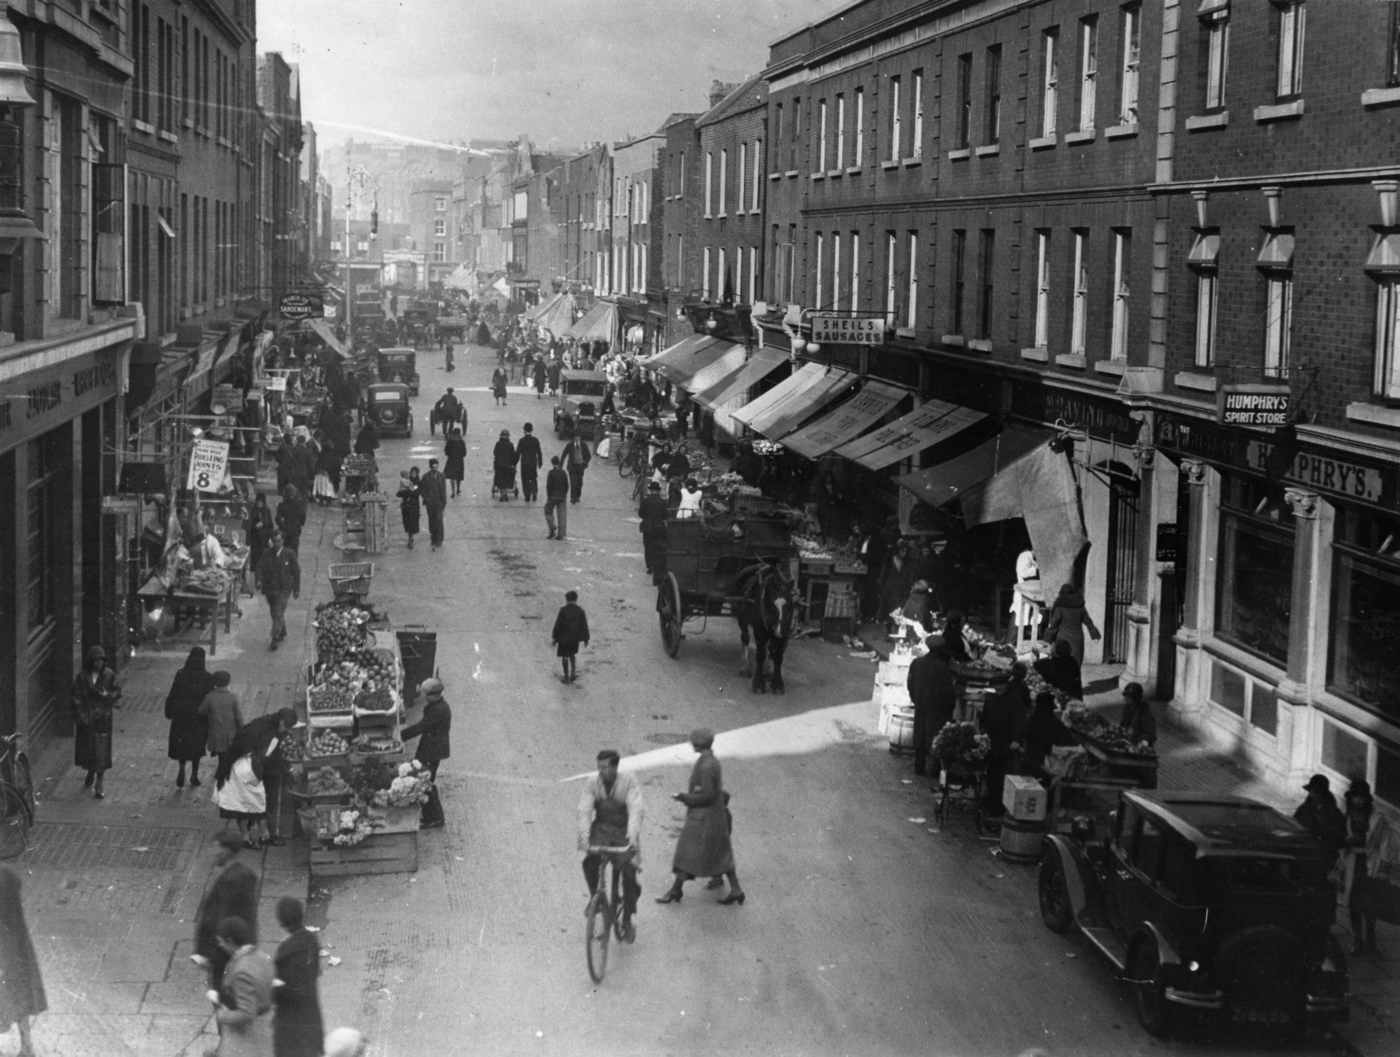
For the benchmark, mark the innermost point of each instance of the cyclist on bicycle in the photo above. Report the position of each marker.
(610, 816)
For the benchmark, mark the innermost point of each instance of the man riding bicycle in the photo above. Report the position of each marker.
(610, 816)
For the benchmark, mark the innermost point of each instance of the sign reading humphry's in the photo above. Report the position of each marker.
(848, 330)
(1245, 405)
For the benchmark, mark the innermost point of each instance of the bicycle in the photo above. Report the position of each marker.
(633, 461)
(17, 803)
(607, 913)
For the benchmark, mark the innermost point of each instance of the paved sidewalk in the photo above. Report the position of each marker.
(111, 886)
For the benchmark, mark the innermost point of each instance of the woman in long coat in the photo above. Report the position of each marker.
(95, 694)
(189, 730)
(297, 1027)
(541, 376)
(410, 506)
(455, 453)
(704, 849)
(21, 988)
(260, 528)
(1069, 617)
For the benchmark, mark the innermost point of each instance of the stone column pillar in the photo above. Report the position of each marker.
(1198, 616)
(1307, 629)
(1141, 664)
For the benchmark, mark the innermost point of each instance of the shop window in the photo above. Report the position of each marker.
(44, 500)
(1366, 611)
(1227, 688)
(1387, 784)
(1342, 751)
(1263, 708)
(1253, 597)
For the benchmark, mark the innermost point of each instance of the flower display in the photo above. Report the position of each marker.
(409, 786)
(961, 742)
(351, 828)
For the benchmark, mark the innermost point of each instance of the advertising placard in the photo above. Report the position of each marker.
(1246, 405)
(208, 465)
(848, 330)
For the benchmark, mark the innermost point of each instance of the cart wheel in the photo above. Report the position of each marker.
(668, 609)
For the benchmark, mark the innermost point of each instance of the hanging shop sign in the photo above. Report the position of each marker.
(848, 330)
(1253, 405)
(38, 401)
(208, 465)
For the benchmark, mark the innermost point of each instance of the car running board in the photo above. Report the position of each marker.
(1107, 941)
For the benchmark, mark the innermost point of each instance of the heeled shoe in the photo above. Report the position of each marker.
(714, 882)
(672, 896)
(732, 898)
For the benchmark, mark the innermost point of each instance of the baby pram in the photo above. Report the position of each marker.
(503, 483)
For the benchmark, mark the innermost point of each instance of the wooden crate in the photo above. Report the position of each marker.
(378, 853)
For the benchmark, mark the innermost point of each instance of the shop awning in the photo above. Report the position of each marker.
(544, 306)
(324, 331)
(697, 357)
(462, 278)
(949, 480)
(808, 391)
(727, 358)
(859, 413)
(679, 353)
(558, 317)
(919, 430)
(599, 323)
(737, 383)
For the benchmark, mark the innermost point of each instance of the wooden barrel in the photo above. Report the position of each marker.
(1021, 839)
(902, 730)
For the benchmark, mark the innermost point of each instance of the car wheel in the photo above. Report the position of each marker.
(1055, 909)
(1145, 969)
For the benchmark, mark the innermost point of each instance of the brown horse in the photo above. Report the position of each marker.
(767, 610)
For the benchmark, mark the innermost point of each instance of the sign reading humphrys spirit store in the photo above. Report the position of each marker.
(37, 401)
(1252, 405)
(848, 330)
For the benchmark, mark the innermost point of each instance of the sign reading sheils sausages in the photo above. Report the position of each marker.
(848, 330)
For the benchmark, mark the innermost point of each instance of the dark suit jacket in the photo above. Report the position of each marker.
(571, 625)
(556, 484)
(435, 728)
(932, 689)
(234, 893)
(297, 1028)
(530, 455)
(433, 489)
(278, 572)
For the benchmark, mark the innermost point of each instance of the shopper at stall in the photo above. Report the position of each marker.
(297, 1026)
(264, 736)
(95, 694)
(576, 457)
(189, 730)
(434, 733)
(232, 892)
(1321, 817)
(243, 1000)
(569, 633)
(410, 504)
(291, 515)
(21, 985)
(953, 626)
(654, 515)
(455, 454)
(935, 697)
(239, 793)
(916, 615)
(1061, 670)
(433, 491)
(367, 440)
(1137, 723)
(704, 848)
(1069, 619)
(530, 457)
(278, 576)
(556, 500)
(1004, 718)
(1044, 731)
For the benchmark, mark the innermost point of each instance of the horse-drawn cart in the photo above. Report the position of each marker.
(727, 565)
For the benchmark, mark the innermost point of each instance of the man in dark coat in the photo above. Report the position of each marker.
(291, 515)
(576, 456)
(1320, 816)
(434, 746)
(654, 513)
(570, 632)
(297, 1027)
(433, 491)
(232, 893)
(531, 458)
(556, 500)
(21, 987)
(188, 729)
(278, 575)
(1062, 671)
(935, 696)
(301, 465)
(1004, 718)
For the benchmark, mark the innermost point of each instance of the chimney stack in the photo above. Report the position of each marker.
(719, 89)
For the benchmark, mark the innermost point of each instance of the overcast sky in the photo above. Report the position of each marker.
(566, 71)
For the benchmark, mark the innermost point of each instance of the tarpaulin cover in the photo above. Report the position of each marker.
(784, 407)
(679, 352)
(726, 360)
(738, 382)
(836, 427)
(324, 331)
(920, 429)
(558, 317)
(544, 306)
(599, 323)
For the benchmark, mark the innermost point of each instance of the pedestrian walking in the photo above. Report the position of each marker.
(278, 576)
(654, 514)
(556, 498)
(576, 455)
(290, 518)
(232, 892)
(433, 490)
(189, 729)
(297, 1026)
(434, 745)
(935, 696)
(301, 463)
(243, 999)
(530, 457)
(21, 985)
(455, 452)
(570, 632)
(410, 504)
(499, 380)
(1068, 620)
(259, 528)
(553, 373)
(703, 848)
(448, 363)
(222, 714)
(95, 695)
(541, 377)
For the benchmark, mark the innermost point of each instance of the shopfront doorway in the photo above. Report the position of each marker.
(1123, 501)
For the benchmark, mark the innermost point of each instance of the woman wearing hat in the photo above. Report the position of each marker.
(1321, 817)
(704, 848)
(95, 694)
(503, 458)
(455, 450)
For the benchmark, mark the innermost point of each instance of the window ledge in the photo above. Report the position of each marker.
(818, 176)
(834, 174)
(853, 170)
(187, 122)
(991, 150)
(141, 126)
(1201, 383)
(1121, 131)
(1070, 359)
(775, 176)
(980, 345)
(754, 212)
(1086, 135)
(791, 173)
(1374, 414)
(1380, 97)
(1279, 111)
(918, 159)
(1039, 353)
(222, 142)
(1117, 368)
(169, 137)
(953, 339)
(1045, 142)
(962, 154)
(1201, 122)
(889, 165)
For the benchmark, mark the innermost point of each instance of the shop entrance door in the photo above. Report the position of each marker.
(1122, 565)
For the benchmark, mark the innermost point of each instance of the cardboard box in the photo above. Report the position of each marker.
(1024, 798)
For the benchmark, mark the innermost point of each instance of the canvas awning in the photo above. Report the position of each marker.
(697, 361)
(677, 353)
(804, 394)
(836, 427)
(558, 317)
(533, 314)
(725, 358)
(949, 480)
(326, 333)
(599, 323)
(919, 430)
(738, 382)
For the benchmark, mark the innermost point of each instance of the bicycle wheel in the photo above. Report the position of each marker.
(626, 464)
(15, 820)
(599, 926)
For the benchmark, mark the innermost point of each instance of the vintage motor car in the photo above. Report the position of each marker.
(580, 398)
(399, 364)
(386, 405)
(1205, 903)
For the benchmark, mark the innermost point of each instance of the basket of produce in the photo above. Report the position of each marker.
(325, 783)
(328, 742)
(351, 578)
(332, 698)
(340, 630)
(376, 744)
(377, 701)
(1094, 729)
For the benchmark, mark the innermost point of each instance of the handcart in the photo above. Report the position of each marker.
(359, 473)
(962, 783)
(350, 581)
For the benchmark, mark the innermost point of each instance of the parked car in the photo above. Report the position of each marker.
(1216, 904)
(580, 398)
(386, 404)
(399, 364)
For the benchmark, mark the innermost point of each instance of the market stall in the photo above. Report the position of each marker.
(196, 585)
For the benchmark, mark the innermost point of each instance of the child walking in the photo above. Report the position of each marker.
(570, 630)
